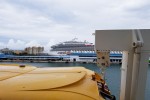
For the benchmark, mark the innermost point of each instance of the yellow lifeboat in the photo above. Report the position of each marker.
(22, 82)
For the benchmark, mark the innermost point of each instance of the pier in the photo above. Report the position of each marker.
(114, 58)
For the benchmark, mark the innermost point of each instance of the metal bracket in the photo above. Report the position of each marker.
(103, 61)
(137, 38)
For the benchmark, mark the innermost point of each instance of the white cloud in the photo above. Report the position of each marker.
(32, 43)
(44, 21)
(12, 44)
(47, 47)
(21, 45)
(2, 45)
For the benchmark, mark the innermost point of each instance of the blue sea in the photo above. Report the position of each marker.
(113, 74)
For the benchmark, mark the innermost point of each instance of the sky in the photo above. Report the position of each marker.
(26, 23)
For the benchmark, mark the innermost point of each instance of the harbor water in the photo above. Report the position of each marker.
(113, 74)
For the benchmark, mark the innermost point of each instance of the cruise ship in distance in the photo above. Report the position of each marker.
(80, 51)
(73, 46)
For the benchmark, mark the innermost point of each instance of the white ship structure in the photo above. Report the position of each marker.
(80, 51)
(72, 46)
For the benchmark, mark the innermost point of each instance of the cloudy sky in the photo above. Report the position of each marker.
(46, 22)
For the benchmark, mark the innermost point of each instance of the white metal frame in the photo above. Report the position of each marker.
(135, 45)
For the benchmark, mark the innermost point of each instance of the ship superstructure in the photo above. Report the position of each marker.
(72, 46)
